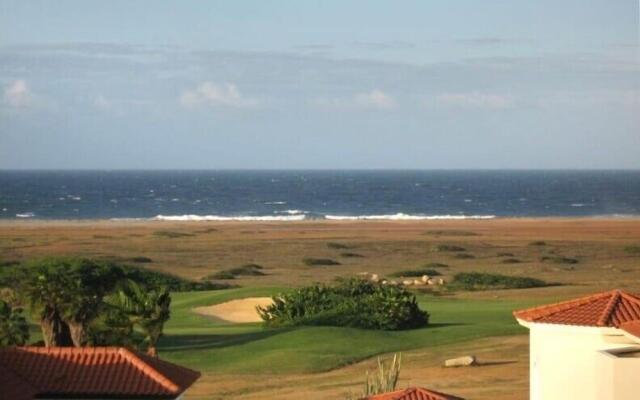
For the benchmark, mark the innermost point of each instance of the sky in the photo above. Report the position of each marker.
(439, 84)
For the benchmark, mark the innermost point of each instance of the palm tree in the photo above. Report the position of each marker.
(14, 329)
(148, 309)
(67, 294)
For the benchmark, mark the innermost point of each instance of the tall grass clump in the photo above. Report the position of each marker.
(383, 380)
(353, 302)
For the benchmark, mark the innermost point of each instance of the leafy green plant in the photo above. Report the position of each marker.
(484, 281)
(351, 303)
(384, 379)
(14, 329)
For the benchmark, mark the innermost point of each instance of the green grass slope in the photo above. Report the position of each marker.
(208, 344)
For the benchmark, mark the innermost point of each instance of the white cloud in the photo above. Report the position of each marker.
(476, 100)
(17, 94)
(213, 95)
(373, 100)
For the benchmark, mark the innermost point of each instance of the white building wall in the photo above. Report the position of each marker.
(566, 362)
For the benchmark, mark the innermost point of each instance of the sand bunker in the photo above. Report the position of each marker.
(242, 310)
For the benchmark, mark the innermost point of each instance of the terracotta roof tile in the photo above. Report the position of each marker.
(414, 393)
(608, 309)
(632, 328)
(92, 371)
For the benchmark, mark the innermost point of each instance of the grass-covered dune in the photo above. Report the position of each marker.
(211, 345)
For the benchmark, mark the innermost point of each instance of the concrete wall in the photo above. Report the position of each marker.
(622, 372)
(566, 362)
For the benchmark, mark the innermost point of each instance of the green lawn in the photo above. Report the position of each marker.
(209, 345)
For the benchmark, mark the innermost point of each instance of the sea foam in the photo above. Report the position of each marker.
(404, 217)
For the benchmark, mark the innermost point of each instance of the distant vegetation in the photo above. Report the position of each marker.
(463, 256)
(511, 261)
(352, 303)
(172, 234)
(319, 261)
(447, 248)
(351, 255)
(141, 259)
(484, 281)
(338, 246)
(435, 265)
(505, 255)
(409, 273)
(451, 232)
(632, 249)
(244, 270)
(559, 260)
(538, 243)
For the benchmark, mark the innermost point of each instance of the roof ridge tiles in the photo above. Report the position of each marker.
(148, 370)
(607, 309)
(606, 313)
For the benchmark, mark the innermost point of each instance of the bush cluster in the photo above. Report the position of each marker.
(244, 270)
(310, 261)
(483, 281)
(351, 302)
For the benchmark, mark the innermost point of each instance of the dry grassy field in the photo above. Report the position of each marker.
(581, 255)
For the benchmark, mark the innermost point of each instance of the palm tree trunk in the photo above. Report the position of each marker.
(152, 351)
(78, 333)
(54, 330)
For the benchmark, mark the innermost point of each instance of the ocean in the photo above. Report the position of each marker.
(298, 195)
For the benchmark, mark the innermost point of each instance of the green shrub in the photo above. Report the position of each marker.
(538, 243)
(435, 265)
(441, 248)
(410, 273)
(337, 246)
(463, 256)
(484, 281)
(221, 275)
(244, 270)
(451, 232)
(172, 234)
(633, 249)
(351, 302)
(511, 261)
(559, 260)
(141, 259)
(351, 255)
(319, 261)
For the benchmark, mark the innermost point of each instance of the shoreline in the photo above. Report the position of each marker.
(341, 219)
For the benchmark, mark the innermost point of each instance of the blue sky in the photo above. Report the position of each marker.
(332, 84)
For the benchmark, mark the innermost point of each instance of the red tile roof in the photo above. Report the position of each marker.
(89, 372)
(632, 328)
(608, 309)
(414, 393)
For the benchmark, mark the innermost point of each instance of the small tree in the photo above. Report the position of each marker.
(148, 309)
(14, 329)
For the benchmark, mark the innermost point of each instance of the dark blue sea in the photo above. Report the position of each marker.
(296, 195)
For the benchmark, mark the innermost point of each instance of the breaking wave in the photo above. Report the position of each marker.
(405, 217)
(297, 215)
